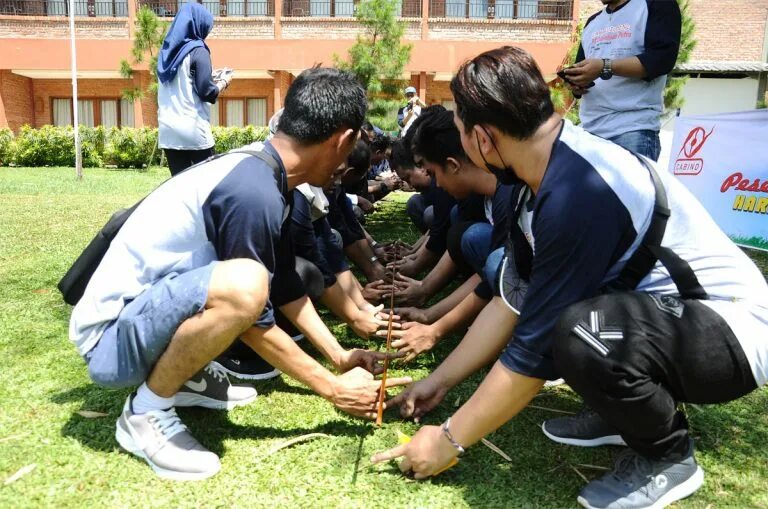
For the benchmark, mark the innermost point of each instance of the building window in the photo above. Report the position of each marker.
(85, 8)
(239, 112)
(93, 112)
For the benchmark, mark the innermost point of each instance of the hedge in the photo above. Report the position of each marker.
(125, 147)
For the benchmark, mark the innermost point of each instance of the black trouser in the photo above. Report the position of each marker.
(180, 160)
(633, 357)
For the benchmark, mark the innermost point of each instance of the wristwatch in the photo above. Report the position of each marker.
(607, 72)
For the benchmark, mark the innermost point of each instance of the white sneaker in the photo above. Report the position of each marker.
(162, 440)
(211, 388)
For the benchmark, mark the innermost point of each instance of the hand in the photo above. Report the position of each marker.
(405, 266)
(428, 453)
(376, 291)
(585, 72)
(365, 359)
(365, 205)
(367, 321)
(391, 183)
(410, 291)
(420, 398)
(378, 272)
(413, 339)
(413, 314)
(356, 392)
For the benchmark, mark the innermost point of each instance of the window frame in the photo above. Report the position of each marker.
(96, 109)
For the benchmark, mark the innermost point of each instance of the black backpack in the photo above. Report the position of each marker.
(73, 284)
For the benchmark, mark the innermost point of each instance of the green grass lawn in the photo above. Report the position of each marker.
(46, 217)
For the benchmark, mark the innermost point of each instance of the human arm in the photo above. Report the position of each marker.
(441, 308)
(354, 392)
(501, 396)
(303, 315)
(416, 293)
(483, 342)
(416, 338)
(363, 321)
(201, 70)
(662, 44)
(362, 255)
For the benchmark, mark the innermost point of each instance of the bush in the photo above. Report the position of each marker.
(229, 138)
(125, 147)
(130, 147)
(6, 146)
(55, 146)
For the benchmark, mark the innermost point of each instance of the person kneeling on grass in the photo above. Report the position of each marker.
(636, 297)
(190, 271)
(436, 147)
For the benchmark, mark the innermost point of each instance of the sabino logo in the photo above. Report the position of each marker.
(687, 163)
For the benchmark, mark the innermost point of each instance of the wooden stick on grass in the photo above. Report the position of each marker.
(383, 389)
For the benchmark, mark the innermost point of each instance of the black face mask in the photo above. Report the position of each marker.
(505, 175)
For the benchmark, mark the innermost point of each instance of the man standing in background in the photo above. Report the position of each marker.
(411, 111)
(626, 52)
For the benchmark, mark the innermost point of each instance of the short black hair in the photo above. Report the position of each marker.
(401, 158)
(319, 102)
(436, 137)
(360, 158)
(503, 88)
(367, 125)
(381, 142)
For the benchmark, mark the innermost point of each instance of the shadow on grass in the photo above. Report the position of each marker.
(210, 427)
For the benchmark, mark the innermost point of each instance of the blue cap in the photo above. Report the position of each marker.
(410, 90)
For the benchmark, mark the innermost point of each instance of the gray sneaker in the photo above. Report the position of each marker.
(637, 482)
(585, 429)
(162, 440)
(211, 388)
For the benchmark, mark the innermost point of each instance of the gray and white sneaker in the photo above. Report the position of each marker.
(640, 483)
(211, 388)
(162, 440)
(585, 429)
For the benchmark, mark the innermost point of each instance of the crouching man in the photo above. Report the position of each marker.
(636, 297)
(190, 271)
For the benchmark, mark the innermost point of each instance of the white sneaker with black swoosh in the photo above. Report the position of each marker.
(211, 388)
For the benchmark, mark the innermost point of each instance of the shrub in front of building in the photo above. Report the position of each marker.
(125, 147)
(6, 146)
(55, 146)
(228, 138)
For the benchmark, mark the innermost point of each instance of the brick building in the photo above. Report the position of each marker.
(267, 42)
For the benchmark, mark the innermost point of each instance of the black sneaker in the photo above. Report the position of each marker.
(249, 367)
(641, 483)
(585, 429)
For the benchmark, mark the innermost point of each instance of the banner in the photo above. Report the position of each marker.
(723, 160)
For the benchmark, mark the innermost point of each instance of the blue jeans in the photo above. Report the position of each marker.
(476, 245)
(644, 142)
(132, 344)
(491, 268)
(421, 214)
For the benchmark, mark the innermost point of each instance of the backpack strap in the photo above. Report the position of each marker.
(650, 251)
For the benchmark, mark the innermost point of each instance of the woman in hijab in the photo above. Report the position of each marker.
(187, 89)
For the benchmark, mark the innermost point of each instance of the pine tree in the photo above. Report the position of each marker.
(673, 97)
(378, 58)
(150, 32)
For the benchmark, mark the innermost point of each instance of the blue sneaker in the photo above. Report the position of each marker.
(637, 482)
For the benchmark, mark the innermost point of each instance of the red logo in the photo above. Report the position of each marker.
(687, 163)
